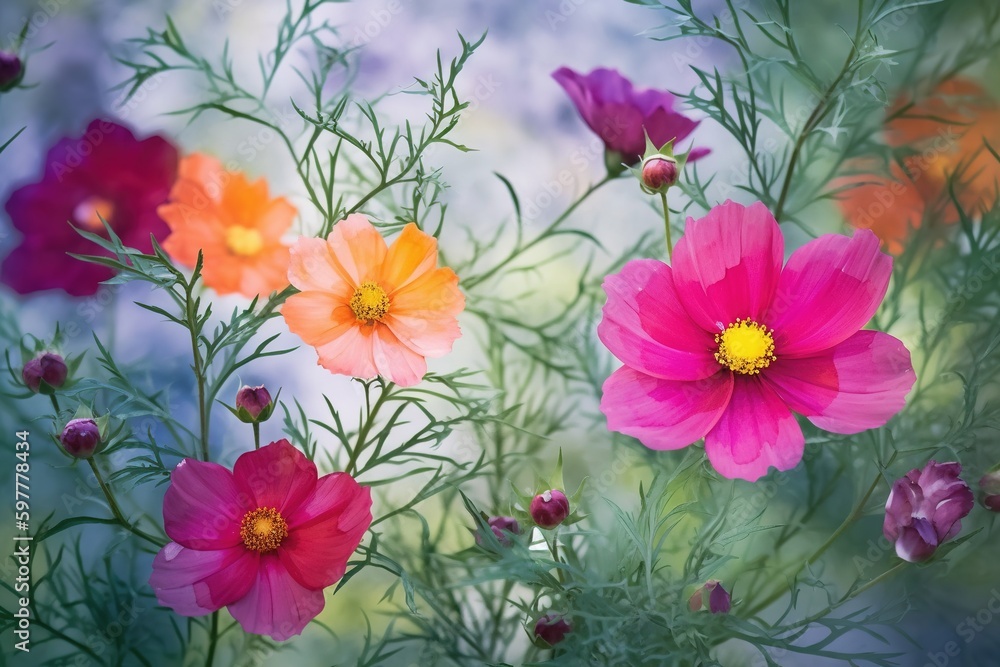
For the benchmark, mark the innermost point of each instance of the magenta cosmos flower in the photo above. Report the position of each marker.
(618, 113)
(106, 172)
(263, 540)
(925, 509)
(726, 345)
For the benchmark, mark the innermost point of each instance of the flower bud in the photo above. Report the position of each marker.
(48, 368)
(659, 172)
(502, 527)
(990, 485)
(81, 438)
(713, 596)
(11, 70)
(253, 404)
(552, 629)
(549, 509)
(925, 509)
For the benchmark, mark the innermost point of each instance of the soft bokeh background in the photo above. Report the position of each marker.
(521, 125)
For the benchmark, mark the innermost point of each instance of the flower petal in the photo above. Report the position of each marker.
(318, 317)
(829, 289)
(726, 266)
(314, 267)
(325, 531)
(912, 547)
(358, 248)
(755, 432)
(394, 360)
(351, 353)
(203, 506)
(195, 583)
(647, 328)
(277, 475)
(664, 414)
(276, 605)
(855, 385)
(411, 255)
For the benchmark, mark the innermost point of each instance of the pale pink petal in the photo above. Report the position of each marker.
(203, 507)
(856, 385)
(664, 414)
(313, 267)
(428, 337)
(648, 329)
(726, 266)
(276, 605)
(350, 353)
(195, 583)
(829, 289)
(359, 248)
(276, 475)
(394, 360)
(325, 531)
(755, 432)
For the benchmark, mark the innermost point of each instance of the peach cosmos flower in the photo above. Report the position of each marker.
(233, 222)
(937, 139)
(371, 309)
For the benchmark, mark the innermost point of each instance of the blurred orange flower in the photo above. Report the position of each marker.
(939, 138)
(233, 222)
(371, 309)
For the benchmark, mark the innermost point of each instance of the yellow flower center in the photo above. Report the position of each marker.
(244, 241)
(745, 347)
(263, 529)
(370, 303)
(89, 212)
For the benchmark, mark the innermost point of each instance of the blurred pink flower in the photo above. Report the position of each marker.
(618, 113)
(726, 344)
(106, 173)
(925, 509)
(263, 540)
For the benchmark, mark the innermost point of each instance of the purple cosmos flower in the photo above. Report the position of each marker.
(254, 404)
(81, 438)
(48, 367)
(618, 113)
(106, 173)
(11, 70)
(925, 509)
(552, 629)
(712, 595)
(502, 527)
(990, 485)
(549, 509)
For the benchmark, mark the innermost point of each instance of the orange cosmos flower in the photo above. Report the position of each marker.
(233, 222)
(371, 309)
(936, 140)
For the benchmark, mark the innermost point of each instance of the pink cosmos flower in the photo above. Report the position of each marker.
(619, 114)
(106, 173)
(263, 540)
(726, 344)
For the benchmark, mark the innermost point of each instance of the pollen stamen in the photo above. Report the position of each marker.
(745, 347)
(370, 303)
(263, 529)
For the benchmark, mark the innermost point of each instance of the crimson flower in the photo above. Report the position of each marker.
(106, 173)
(263, 540)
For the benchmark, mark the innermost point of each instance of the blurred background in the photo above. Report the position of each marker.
(520, 123)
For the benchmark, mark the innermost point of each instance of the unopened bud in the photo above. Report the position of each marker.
(990, 486)
(549, 509)
(659, 173)
(81, 438)
(552, 629)
(254, 404)
(11, 70)
(503, 527)
(44, 373)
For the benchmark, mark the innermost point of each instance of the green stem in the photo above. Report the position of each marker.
(475, 280)
(851, 518)
(256, 435)
(115, 510)
(666, 225)
(366, 428)
(55, 404)
(199, 373)
(213, 638)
